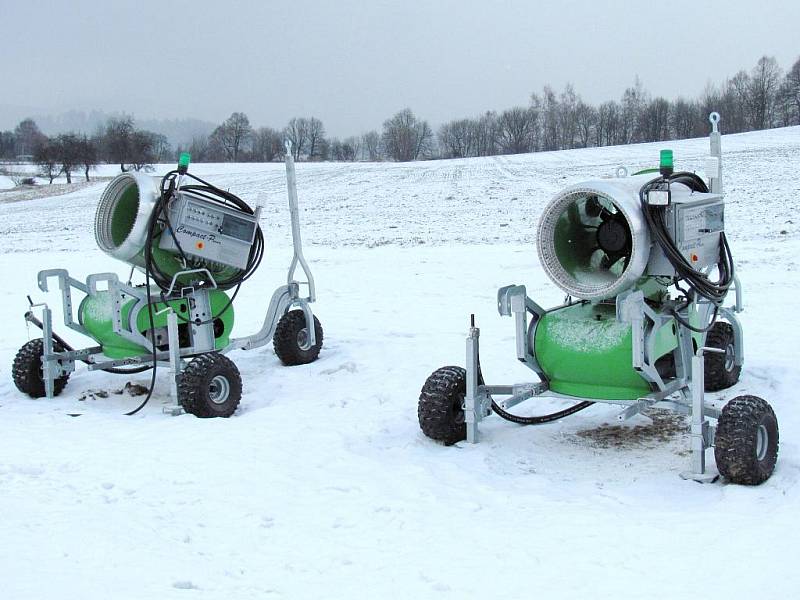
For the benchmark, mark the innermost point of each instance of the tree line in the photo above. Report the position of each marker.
(117, 142)
(761, 98)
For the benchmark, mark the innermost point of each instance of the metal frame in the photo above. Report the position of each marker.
(684, 393)
(56, 364)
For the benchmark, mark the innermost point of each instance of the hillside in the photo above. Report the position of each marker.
(322, 485)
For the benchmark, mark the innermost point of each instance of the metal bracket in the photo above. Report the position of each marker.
(514, 300)
(635, 409)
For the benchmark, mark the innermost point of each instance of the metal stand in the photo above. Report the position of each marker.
(472, 404)
(174, 408)
(702, 433)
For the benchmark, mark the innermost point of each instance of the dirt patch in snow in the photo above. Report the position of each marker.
(665, 427)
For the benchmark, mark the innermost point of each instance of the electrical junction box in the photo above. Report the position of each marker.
(209, 230)
(695, 222)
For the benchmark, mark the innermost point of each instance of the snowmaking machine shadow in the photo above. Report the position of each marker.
(196, 245)
(646, 268)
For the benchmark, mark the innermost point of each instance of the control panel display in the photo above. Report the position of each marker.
(235, 227)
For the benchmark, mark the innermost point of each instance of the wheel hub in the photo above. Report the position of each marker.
(302, 339)
(730, 357)
(219, 389)
(762, 442)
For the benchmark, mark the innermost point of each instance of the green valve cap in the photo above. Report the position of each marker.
(666, 165)
(183, 162)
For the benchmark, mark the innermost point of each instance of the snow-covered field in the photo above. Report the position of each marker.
(322, 485)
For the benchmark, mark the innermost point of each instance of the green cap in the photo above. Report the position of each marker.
(666, 159)
(183, 162)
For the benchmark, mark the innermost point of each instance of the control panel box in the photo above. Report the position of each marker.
(695, 222)
(210, 231)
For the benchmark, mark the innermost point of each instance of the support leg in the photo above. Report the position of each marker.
(48, 366)
(174, 363)
(700, 426)
(471, 403)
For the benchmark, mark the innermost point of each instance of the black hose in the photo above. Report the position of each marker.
(148, 263)
(698, 282)
(538, 420)
(210, 193)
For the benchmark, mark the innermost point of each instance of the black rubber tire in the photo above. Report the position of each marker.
(27, 370)
(197, 387)
(720, 372)
(441, 405)
(287, 345)
(736, 440)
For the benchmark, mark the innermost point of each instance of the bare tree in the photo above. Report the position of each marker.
(585, 121)
(142, 150)
(457, 138)
(28, 137)
(297, 133)
(66, 148)
(7, 144)
(405, 137)
(653, 122)
(551, 133)
(515, 128)
(232, 135)
(682, 119)
(609, 116)
(118, 137)
(765, 80)
(567, 117)
(267, 144)
(45, 155)
(316, 139)
(634, 100)
(790, 94)
(486, 134)
(351, 148)
(162, 151)
(87, 154)
(199, 148)
(371, 143)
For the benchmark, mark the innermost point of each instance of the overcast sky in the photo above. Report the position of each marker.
(353, 63)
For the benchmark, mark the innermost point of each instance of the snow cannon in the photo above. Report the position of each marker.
(195, 245)
(214, 236)
(647, 269)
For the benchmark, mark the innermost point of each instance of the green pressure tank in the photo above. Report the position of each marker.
(585, 352)
(95, 314)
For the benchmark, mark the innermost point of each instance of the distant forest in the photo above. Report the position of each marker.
(761, 98)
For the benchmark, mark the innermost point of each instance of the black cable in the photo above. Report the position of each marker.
(219, 196)
(538, 420)
(698, 282)
(151, 226)
(691, 327)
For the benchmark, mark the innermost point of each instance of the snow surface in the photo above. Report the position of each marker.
(322, 485)
(6, 183)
